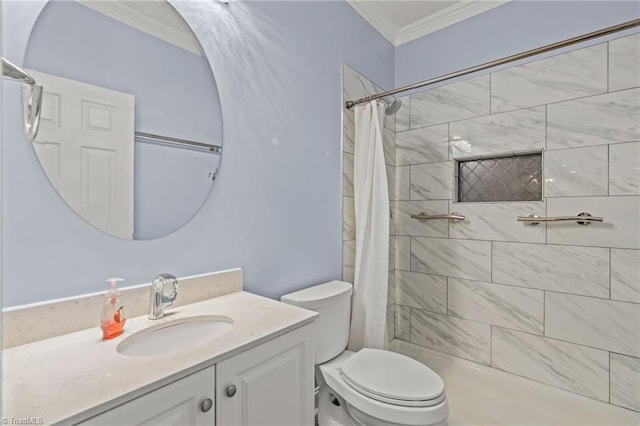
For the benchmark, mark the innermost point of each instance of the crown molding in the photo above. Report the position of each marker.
(128, 14)
(374, 16)
(455, 13)
(458, 11)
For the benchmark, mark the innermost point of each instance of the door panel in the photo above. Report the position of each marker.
(85, 144)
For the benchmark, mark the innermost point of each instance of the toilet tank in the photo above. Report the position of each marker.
(332, 301)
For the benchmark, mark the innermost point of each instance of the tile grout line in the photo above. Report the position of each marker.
(533, 289)
(555, 339)
(608, 65)
(410, 253)
(395, 320)
(519, 287)
(448, 221)
(592, 196)
(409, 108)
(591, 146)
(410, 324)
(622, 354)
(475, 117)
(610, 274)
(546, 127)
(609, 359)
(608, 170)
(544, 164)
(447, 294)
(409, 188)
(526, 242)
(593, 297)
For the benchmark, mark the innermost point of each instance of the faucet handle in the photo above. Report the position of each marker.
(167, 300)
(157, 300)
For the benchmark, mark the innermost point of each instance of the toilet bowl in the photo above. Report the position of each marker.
(376, 387)
(371, 387)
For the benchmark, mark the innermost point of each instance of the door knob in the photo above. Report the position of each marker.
(206, 405)
(231, 390)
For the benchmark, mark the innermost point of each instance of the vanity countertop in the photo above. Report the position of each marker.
(72, 377)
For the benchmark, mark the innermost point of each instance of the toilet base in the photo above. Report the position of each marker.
(334, 411)
(330, 409)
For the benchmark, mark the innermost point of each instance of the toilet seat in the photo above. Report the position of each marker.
(389, 413)
(392, 378)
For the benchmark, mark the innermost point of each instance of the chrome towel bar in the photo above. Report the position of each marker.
(149, 137)
(456, 217)
(582, 219)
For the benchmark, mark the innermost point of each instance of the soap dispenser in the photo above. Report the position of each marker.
(112, 317)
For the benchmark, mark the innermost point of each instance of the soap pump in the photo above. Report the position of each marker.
(112, 317)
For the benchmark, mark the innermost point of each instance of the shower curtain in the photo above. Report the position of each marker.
(369, 307)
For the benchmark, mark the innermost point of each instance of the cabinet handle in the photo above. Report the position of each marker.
(231, 391)
(206, 405)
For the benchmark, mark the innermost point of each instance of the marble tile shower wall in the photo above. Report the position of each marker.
(560, 303)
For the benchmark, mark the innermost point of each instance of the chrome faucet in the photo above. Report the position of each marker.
(158, 301)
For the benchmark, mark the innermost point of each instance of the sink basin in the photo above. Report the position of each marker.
(175, 336)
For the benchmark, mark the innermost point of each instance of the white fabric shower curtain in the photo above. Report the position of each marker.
(369, 307)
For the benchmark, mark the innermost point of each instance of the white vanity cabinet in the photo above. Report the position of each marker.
(188, 401)
(270, 384)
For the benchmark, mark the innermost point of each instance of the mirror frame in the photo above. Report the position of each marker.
(38, 10)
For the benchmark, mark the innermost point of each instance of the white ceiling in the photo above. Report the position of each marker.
(400, 21)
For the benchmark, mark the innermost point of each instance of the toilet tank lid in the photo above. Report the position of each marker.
(319, 295)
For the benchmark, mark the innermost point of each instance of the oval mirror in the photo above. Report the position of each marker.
(131, 126)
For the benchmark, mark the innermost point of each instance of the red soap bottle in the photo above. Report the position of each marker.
(112, 317)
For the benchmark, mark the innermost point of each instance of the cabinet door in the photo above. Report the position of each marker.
(273, 383)
(177, 404)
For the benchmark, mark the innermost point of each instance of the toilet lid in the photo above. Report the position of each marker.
(392, 377)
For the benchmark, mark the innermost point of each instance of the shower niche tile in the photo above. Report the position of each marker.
(514, 177)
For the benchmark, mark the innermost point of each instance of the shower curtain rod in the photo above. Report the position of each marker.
(523, 55)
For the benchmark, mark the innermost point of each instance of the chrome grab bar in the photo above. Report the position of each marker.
(33, 103)
(456, 217)
(581, 219)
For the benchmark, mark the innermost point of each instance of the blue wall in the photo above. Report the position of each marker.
(514, 27)
(276, 206)
(75, 42)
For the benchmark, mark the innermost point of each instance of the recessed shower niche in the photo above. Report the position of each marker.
(131, 124)
(513, 177)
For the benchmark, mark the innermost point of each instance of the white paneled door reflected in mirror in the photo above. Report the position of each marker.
(131, 125)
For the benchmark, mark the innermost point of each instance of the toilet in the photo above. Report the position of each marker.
(371, 387)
